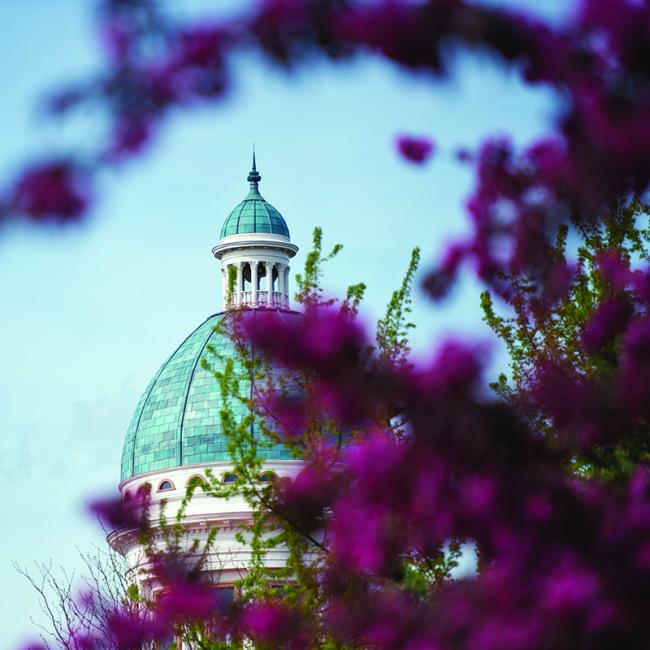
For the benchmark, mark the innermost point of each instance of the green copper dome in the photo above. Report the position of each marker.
(254, 214)
(177, 419)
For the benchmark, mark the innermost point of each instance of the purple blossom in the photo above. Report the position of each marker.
(567, 588)
(565, 561)
(131, 631)
(182, 599)
(119, 37)
(634, 372)
(273, 623)
(366, 548)
(558, 281)
(416, 150)
(305, 497)
(116, 513)
(326, 339)
(130, 135)
(609, 320)
(85, 642)
(56, 190)
(202, 46)
(439, 281)
(288, 412)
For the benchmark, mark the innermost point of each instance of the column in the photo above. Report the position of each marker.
(281, 279)
(240, 283)
(224, 287)
(286, 283)
(254, 283)
(269, 283)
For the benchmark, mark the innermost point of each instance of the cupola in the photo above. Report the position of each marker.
(255, 244)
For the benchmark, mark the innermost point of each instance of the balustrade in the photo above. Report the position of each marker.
(271, 299)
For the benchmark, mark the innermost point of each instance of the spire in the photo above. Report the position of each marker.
(254, 176)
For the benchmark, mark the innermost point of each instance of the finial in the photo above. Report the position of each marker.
(254, 177)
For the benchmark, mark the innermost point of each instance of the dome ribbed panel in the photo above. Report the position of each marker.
(177, 420)
(254, 215)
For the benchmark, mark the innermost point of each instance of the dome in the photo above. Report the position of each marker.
(177, 420)
(254, 214)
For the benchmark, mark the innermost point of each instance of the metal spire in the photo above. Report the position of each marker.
(254, 176)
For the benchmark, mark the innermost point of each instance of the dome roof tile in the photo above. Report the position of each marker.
(177, 420)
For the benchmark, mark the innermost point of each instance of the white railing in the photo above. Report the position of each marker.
(271, 299)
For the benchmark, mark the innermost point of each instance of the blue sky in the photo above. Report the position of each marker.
(88, 314)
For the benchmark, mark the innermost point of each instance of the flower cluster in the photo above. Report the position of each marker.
(563, 559)
(595, 62)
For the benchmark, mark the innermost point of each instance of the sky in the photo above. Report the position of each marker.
(89, 313)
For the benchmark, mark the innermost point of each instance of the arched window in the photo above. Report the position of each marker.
(165, 485)
(127, 496)
(197, 479)
(268, 477)
(230, 477)
(145, 488)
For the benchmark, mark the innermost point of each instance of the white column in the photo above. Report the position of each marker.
(254, 283)
(281, 279)
(224, 287)
(286, 283)
(240, 283)
(269, 283)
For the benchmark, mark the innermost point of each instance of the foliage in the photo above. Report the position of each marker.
(298, 585)
(578, 331)
(392, 330)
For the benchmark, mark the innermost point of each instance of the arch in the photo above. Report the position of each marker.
(262, 277)
(143, 489)
(198, 478)
(247, 279)
(268, 476)
(230, 477)
(165, 485)
(273, 280)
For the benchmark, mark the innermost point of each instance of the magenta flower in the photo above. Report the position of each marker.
(115, 513)
(288, 412)
(119, 37)
(186, 600)
(54, 190)
(273, 623)
(312, 489)
(364, 548)
(86, 642)
(130, 135)
(569, 587)
(131, 631)
(634, 372)
(608, 321)
(439, 281)
(416, 150)
(202, 46)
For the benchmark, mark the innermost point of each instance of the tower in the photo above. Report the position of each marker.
(176, 432)
(255, 248)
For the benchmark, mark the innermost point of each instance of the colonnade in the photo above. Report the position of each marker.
(275, 294)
